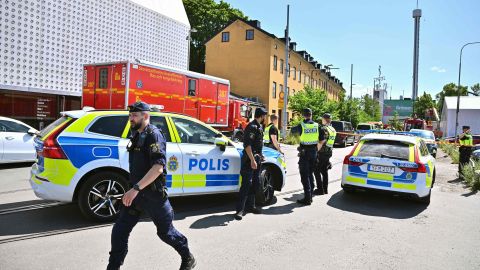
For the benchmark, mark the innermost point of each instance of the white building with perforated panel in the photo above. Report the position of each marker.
(44, 44)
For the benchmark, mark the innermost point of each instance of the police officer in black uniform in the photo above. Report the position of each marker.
(251, 163)
(147, 150)
(323, 164)
(309, 138)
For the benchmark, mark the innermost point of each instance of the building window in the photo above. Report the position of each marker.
(275, 62)
(274, 90)
(294, 73)
(281, 88)
(281, 66)
(192, 87)
(103, 78)
(249, 34)
(288, 70)
(274, 111)
(299, 76)
(293, 92)
(225, 36)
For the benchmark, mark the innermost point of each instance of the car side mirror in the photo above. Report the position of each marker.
(32, 132)
(222, 143)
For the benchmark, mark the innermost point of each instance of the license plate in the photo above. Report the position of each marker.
(382, 169)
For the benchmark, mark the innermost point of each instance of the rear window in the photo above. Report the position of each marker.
(337, 125)
(53, 125)
(384, 149)
(364, 127)
(110, 125)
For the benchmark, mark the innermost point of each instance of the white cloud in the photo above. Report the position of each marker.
(438, 69)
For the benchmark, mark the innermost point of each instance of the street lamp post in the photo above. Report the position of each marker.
(189, 38)
(458, 86)
(351, 80)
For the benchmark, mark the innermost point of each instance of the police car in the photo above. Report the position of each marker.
(396, 163)
(83, 157)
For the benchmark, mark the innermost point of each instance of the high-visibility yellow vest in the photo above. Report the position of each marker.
(468, 141)
(309, 134)
(266, 134)
(332, 133)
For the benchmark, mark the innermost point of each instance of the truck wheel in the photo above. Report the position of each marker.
(265, 192)
(101, 195)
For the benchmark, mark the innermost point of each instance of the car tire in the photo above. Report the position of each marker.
(344, 143)
(101, 195)
(348, 190)
(265, 193)
(434, 177)
(425, 200)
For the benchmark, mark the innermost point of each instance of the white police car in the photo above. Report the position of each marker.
(82, 157)
(395, 163)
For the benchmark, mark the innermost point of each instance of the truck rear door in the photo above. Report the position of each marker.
(191, 98)
(222, 104)
(102, 88)
(207, 101)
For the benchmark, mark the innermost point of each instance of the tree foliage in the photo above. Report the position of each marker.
(371, 109)
(448, 91)
(475, 89)
(423, 103)
(314, 99)
(208, 18)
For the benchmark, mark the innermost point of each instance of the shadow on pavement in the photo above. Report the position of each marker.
(458, 180)
(468, 194)
(374, 204)
(16, 165)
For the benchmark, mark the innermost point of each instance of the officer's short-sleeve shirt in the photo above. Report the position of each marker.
(253, 136)
(157, 146)
(273, 131)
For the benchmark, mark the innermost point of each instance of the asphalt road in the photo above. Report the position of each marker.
(339, 231)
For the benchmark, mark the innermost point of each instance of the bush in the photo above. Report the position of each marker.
(451, 150)
(292, 139)
(471, 174)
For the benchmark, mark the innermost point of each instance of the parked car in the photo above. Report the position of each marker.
(429, 139)
(476, 153)
(343, 127)
(363, 128)
(16, 141)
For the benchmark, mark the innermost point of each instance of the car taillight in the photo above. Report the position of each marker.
(347, 161)
(51, 148)
(421, 168)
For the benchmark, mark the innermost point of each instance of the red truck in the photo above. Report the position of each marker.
(207, 98)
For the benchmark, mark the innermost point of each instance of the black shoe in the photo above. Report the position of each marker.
(188, 263)
(305, 201)
(239, 215)
(318, 192)
(255, 210)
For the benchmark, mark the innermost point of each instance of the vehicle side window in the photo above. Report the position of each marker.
(192, 87)
(9, 126)
(161, 123)
(109, 125)
(192, 132)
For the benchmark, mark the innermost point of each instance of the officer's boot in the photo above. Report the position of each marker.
(305, 201)
(188, 262)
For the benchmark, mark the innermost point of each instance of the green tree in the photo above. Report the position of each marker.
(371, 109)
(475, 89)
(423, 103)
(349, 110)
(395, 122)
(208, 18)
(315, 99)
(448, 91)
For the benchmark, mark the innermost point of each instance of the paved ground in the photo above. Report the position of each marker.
(339, 231)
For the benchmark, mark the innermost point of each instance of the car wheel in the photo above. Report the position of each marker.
(425, 200)
(265, 192)
(348, 190)
(344, 143)
(101, 196)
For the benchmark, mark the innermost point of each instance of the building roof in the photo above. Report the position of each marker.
(466, 103)
(172, 9)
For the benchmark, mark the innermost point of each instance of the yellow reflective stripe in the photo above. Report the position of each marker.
(280, 160)
(173, 131)
(58, 171)
(429, 176)
(404, 186)
(125, 131)
(360, 144)
(355, 179)
(53, 130)
(411, 153)
(177, 181)
(380, 176)
(194, 180)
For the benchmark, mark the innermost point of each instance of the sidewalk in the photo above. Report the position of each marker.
(447, 176)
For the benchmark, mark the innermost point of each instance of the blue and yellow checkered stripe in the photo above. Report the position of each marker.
(202, 180)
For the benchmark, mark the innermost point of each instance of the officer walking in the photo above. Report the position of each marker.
(466, 143)
(309, 138)
(270, 134)
(251, 163)
(147, 150)
(327, 139)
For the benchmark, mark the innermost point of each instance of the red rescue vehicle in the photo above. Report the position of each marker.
(207, 98)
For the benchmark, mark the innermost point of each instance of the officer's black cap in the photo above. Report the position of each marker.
(139, 106)
(307, 112)
(327, 116)
(466, 127)
(260, 112)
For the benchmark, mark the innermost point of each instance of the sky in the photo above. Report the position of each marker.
(373, 33)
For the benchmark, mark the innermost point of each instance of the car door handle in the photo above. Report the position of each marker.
(9, 138)
(193, 153)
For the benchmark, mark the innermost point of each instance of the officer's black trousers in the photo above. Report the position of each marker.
(250, 185)
(306, 165)
(321, 171)
(161, 213)
(464, 158)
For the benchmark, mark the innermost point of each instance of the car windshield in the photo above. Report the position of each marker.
(385, 149)
(364, 127)
(424, 134)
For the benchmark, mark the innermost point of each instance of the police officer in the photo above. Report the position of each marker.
(147, 177)
(309, 138)
(466, 143)
(327, 139)
(251, 163)
(270, 134)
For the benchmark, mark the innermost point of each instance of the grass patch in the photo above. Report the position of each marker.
(471, 175)
(451, 150)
